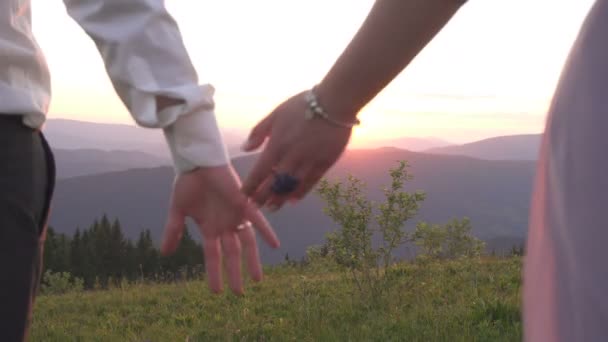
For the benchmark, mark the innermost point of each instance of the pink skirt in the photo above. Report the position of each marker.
(565, 295)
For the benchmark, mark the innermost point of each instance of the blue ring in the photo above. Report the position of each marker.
(284, 183)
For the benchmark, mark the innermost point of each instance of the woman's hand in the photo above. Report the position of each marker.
(302, 148)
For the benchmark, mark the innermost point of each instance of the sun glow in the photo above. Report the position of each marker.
(484, 75)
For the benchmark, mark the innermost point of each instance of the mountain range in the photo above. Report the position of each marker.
(494, 194)
(513, 147)
(70, 135)
(124, 171)
(85, 148)
(409, 143)
(73, 163)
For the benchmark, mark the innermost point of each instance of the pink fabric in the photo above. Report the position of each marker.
(539, 295)
(565, 273)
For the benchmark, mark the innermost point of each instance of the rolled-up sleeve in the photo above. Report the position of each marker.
(145, 58)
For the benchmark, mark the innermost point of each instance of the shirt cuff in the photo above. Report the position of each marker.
(195, 141)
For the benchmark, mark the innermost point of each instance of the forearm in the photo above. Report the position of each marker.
(151, 71)
(393, 34)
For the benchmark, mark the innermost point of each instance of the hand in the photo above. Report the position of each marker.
(303, 148)
(212, 198)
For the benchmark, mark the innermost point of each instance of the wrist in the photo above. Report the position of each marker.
(336, 105)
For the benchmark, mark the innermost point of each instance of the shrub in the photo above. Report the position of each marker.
(449, 241)
(60, 283)
(359, 219)
(351, 245)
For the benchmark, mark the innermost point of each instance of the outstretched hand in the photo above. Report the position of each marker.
(212, 197)
(304, 149)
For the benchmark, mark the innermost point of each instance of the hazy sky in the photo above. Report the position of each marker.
(491, 71)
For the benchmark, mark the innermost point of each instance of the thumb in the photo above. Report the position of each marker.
(258, 134)
(173, 232)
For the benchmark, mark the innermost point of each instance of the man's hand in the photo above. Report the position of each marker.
(211, 196)
(304, 149)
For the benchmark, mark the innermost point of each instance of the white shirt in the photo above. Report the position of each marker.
(144, 56)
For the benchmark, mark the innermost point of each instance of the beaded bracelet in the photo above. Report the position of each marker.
(315, 109)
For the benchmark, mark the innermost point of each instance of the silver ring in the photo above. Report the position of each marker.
(244, 225)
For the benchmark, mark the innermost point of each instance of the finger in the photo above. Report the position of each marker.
(264, 192)
(231, 246)
(258, 134)
(260, 171)
(314, 176)
(213, 260)
(276, 201)
(252, 255)
(288, 165)
(262, 225)
(174, 229)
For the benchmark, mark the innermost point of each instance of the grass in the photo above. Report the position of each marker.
(441, 301)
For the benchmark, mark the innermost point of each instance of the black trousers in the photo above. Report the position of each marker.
(27, 177)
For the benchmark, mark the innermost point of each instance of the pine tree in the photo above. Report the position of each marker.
(101, 239)
(63, 253)
(131, 269)
(116, 254)
(188, 255)
(50, 250)
(147, 257)
(81, 257)
(102, 252)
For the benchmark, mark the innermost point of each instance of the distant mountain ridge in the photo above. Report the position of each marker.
(410, 143)
(87, 148)
(81, 162)
(73, 134)
(494, 194)
(513, 147)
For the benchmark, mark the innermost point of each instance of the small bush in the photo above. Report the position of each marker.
(60, 282)
(450, 241)
(359, 219)
(351, 246)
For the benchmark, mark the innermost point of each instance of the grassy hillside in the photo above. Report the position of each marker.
(470, 300)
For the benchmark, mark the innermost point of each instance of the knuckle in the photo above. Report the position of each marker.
(260, 198)
(275, 149)
(256, 132)
(232, 251)
(239, 205)
(211, 252)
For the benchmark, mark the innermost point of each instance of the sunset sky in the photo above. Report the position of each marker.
(490, 72)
